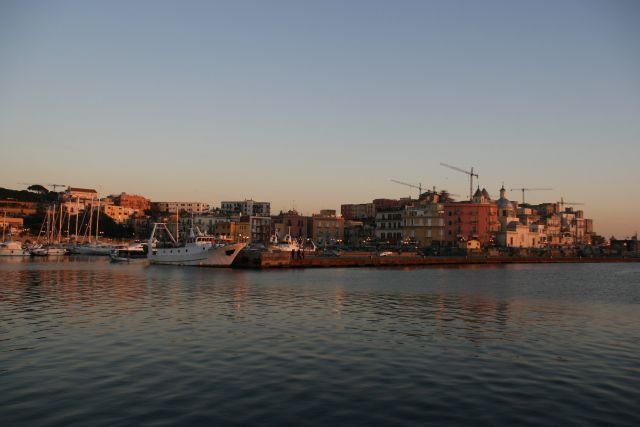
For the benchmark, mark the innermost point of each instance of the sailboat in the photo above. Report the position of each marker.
(95, 247)
(51, 247)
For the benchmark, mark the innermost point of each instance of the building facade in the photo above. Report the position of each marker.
(119, 214)
(172, 207)
(327, 227)
(246, 207)
(389, 224)
(475, 219)
(133, 201)
(293, 223)
(358, 211)
(423, 224)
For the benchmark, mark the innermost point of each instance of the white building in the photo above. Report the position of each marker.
(389, 225)
(172, 207)
(246, 207)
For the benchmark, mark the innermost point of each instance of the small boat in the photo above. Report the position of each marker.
(12, 248)
(95, 248)
(128, 253)
(49, 250)
(198, 249)
(287, 244)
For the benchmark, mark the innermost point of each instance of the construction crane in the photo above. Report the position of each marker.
(562, 203)
(529, 189)
(419, 186)
(54, 186)
(470, 173)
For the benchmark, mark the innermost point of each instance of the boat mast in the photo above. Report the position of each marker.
(177, 222)
(68, 223)
(45, 224)
(60, 229)
(98, 220)
(4, 224)
(88, 230)
(77, 213)
(52, 229)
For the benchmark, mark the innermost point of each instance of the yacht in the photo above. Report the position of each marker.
(47, 250)
(95, 248)
(12, 248)
(127, 253)
(198, 249)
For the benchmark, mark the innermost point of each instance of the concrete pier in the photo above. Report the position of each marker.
(264, 260)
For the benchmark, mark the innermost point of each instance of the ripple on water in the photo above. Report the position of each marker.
(84, 342)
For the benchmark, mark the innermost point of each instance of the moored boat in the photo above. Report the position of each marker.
(128, 253)
(49, 250)
(12, 248)
(198, 249)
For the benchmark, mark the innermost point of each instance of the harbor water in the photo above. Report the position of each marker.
(86, 342)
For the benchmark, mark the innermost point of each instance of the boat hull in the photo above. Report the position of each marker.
(13, 252)
(219, 256)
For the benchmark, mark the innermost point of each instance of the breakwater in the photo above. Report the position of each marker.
(263, 260)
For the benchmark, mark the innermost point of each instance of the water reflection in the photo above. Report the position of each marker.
(440, 345)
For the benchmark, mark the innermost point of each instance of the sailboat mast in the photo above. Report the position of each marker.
(60, 228)
(52, 228)
(177, 222)
(4, 224)
(46, 223)
(77, 213)
(88, 231)
(98, 220)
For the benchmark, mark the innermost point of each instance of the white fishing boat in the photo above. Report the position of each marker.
(198, 249)
(287, 244)
(290, 244)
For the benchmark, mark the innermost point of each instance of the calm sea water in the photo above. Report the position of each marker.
(85, 342)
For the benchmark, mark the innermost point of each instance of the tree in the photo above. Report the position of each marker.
(37, 188)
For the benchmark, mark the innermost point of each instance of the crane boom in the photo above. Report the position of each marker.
(529, 189)
(470, 173)
(419, 186)
(562, 203)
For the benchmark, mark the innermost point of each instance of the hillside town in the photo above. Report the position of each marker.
(435, 222)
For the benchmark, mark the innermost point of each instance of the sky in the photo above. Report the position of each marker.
(312, 104)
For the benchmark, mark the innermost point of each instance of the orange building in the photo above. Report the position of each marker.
(132, 201)
(477, 219)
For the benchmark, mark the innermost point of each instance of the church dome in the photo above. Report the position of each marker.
(503, 202)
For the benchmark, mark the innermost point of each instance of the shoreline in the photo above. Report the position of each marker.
(284, 260)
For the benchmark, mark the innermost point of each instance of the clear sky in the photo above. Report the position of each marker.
(315, 104)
